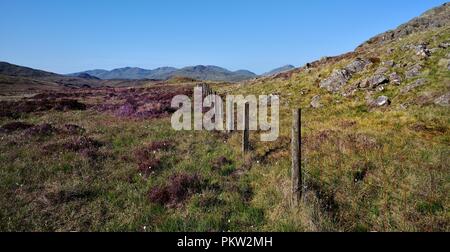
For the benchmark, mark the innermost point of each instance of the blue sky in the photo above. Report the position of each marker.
(66, 36)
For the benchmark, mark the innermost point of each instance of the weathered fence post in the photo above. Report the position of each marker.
(246, 133)
(296, 157)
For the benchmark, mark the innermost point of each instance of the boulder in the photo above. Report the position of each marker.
(337, 79)
(374, 81)
(357, 66)
(381, 101)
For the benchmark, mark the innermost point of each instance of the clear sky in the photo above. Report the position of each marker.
(67, 36)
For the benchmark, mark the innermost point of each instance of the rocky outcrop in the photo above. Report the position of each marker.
(374, 81)
(381, 101)
(434, 18)
(340, 77)
(337, 79)
(357, 66)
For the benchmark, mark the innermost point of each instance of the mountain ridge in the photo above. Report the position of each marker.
(200, 72)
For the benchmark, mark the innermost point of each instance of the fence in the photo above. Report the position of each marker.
(296, 155)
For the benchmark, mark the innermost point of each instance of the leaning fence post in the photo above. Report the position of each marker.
(296, 157)
(246, 133)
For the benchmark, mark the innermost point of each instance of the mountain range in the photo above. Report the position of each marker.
(199, 72)
(24, 78)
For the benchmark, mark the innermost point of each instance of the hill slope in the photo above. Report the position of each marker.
(19, 71)
(16, 78)
(376, 135)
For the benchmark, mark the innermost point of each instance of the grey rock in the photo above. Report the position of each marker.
(395, 78)
(357, 66)
(381, 101)
(422, 51)
(443, 100)
(337, 79)
(315, 102)
(374, 81)
(413, 72)
(340, 77)
(414, 85)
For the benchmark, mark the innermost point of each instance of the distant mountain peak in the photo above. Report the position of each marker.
(282, 69)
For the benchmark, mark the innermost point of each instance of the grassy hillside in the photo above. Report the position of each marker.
(367, 168)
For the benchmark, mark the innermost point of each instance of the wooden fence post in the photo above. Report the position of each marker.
(246, 133)
(297, 185)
